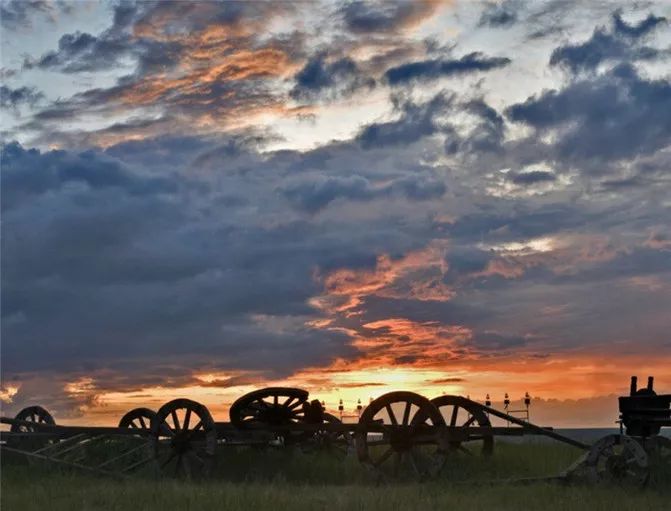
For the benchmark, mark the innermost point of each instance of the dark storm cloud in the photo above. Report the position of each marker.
(387, 16)
(13, 98)
(30, 172)
(617, 115)
(623, 42)
(130, 262)
(502, 14)
(437, 68)
(320, 79)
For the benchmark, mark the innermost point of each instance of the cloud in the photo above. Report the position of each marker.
(80, 52)
(623, 42)
(365, 17)
(614, 116)
(13, 98)
(315, 194)
(437, 68)
(496, 15)
(328, 80)
(18, 13)
(530, 178)
(416, 121)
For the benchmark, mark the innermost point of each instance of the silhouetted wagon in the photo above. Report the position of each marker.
(400, 434)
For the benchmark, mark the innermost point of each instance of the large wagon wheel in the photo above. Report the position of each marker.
(618, 459)
(35, 415)
(461, 413)
(400, 434)
(273, 408)
(183, 439)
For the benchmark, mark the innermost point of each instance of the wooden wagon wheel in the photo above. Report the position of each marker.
(35, 414)
(459, 412)
(334, 441)
(338, 440)
(273, 408)
(400, 434)
(138, 418)
(183, 439)
(618, 459)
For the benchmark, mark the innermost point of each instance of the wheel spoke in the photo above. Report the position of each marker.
(470, 421)
(413, 462)
(187, 418)
(294, 405)
(143, 423)
(392, 417)
(175, 419)
(385, 456)
(406, 413)
(170, 458)
(455, 413)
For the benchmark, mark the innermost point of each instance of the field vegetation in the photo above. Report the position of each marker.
(289, 479)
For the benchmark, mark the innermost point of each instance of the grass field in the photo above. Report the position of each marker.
(291, 480)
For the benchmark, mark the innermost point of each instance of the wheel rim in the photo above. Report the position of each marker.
(397, 436)
(138, 418)
(184, 439)
(34, 414)
(462, 413)
(617, 459)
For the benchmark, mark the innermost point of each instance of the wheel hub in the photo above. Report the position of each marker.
(181, 442)
(616, 465)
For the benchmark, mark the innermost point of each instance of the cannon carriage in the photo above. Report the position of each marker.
(398, 435)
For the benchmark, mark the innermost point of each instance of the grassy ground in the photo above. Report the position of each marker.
(284, 480)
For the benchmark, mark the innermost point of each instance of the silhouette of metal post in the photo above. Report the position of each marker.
(506, 404)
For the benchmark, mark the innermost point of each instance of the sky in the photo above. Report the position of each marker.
(202, 198)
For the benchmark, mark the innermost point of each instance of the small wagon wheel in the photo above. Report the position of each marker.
(335, 441)
(618, 459)
(34, 414)
(272, 407)
(342, 440)
(138, 418)
(183, 439)
(462, 413)
(400, 433)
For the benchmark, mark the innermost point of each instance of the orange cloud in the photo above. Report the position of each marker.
(417, 275)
